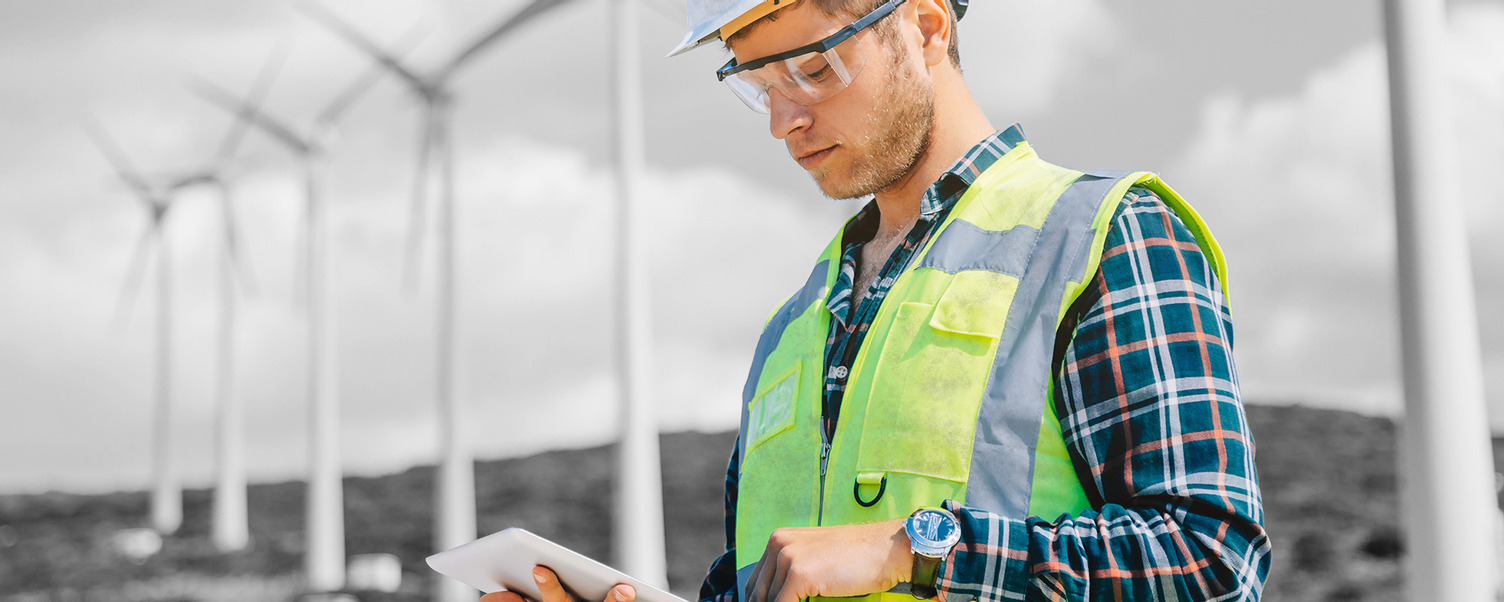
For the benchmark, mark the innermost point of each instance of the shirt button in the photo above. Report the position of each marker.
(840, 372)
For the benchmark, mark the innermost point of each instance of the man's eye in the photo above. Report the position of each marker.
(816, 71)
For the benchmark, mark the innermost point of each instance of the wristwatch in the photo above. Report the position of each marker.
(932, 534)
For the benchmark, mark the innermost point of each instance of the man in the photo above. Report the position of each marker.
(1003, 379)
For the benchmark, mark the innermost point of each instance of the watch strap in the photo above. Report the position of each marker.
(922, 585)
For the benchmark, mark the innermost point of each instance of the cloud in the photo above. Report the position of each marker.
(1298, 188)
(1019, 54)
(535, 317)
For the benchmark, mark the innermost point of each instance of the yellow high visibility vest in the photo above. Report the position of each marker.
(949, 395)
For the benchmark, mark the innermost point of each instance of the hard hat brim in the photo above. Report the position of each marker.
(692, 41)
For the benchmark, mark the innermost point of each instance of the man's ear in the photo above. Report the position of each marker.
(933, 19)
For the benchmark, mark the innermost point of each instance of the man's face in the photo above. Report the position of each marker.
(870, 135)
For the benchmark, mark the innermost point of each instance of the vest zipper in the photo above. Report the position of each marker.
(856, 365)
(824, 462)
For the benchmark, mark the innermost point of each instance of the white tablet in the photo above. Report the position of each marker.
(505, 560)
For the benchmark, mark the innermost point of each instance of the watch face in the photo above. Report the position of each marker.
(933, 528)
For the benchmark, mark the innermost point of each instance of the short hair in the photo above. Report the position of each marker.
(855, 9)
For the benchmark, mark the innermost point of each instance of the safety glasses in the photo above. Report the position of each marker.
(807, 74)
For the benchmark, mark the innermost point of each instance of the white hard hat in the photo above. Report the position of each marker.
(718, 19)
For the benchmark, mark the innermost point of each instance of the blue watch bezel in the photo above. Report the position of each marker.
(925, 546)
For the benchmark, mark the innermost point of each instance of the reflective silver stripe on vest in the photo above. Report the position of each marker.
(1002, 457)
(812, 291)
(966, 246)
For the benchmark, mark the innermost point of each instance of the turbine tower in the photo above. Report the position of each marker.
(167, 489)
(637, 535)
(1447, 464)
(455, 490)
(324, 559)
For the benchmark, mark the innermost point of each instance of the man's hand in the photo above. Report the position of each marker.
(548, 583)
(849, 560)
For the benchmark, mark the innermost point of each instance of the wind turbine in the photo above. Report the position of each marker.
(167, 489)
(231, 530)
(324, 560)
(638, 526)
(455, 491)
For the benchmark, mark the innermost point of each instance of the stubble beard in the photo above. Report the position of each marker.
(898, 132)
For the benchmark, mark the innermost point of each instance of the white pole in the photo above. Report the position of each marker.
(455, 523)
(1447, 462)
(231, 528)
(638, 524)
(167, 496)
(325, 559)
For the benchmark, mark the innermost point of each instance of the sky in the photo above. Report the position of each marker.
(1270, 117)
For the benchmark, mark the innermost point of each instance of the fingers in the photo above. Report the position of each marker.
(549, 586)
(553, 590)
(502, 597)
(621, 593)
(779, 587)
(773, 571)
(757, 587)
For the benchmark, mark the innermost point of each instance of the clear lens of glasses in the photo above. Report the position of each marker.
(805, 79)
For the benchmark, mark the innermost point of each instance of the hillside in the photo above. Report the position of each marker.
(1328, 479)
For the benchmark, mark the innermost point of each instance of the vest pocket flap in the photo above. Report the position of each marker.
(772, 410)
(975, 303)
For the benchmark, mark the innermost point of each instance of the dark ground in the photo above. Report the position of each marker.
(1328, 481)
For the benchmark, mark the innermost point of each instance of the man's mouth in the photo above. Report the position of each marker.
(811, 159)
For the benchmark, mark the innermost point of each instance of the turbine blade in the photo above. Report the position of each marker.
(246, 112)
(253, 98)
(131, 285)
(363, 84)
(498, 31)
(237, 265)
(123, 167)
(190, 180)
(362, 43)
(418, 209)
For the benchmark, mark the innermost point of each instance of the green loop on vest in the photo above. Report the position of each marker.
(867, 478)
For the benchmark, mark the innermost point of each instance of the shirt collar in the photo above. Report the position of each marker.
(954, 182)
(949, 187)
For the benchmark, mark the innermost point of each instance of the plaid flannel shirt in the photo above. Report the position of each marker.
(1147, 395)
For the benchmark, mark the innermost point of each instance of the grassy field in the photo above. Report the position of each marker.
(1328, 478)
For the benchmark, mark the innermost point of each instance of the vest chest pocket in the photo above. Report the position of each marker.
(931, 374)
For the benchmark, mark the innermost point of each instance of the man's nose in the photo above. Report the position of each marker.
(786, 116)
